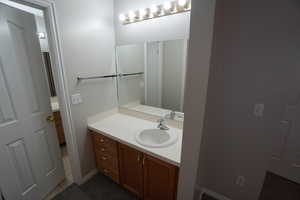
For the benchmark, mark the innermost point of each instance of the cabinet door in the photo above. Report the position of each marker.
(131, 169)
(160, 179)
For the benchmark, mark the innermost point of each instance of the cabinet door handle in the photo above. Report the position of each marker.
(144, 160)
(102, 149)
(101, 140)
(104, 158)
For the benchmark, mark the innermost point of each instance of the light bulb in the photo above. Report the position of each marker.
(122, 17)
(182, 2)
(167, 5)
(142, 13)
(154, 9)
(131, 15)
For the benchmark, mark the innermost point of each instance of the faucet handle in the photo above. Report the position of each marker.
(170, 115)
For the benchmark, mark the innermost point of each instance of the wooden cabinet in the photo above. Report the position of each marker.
(147, 177)
(106, 155)
(160, 179)
(131, 169)
(59, 128)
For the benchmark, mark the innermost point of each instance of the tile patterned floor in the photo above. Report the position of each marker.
(207, 197)
(99, 187)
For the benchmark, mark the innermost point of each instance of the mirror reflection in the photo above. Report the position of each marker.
(152, 77)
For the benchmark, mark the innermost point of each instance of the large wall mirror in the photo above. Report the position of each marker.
(152, 77)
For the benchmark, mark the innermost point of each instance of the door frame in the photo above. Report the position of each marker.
(196, 84)
(184, 63)
(161, 64)
(145, 74)
(60, 79)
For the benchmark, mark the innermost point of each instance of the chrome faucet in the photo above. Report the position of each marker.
(172, 115)
(162, 124)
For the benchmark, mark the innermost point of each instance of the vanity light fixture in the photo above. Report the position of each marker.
(182, 3)
(122, 17)
(131, 15)
(155, 11)
(167, 6)
(142, 13)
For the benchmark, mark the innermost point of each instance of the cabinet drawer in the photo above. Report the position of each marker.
(106, 161)
(101, 141)
(106, 150)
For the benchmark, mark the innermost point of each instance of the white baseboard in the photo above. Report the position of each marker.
(90, 175)
(210, 193)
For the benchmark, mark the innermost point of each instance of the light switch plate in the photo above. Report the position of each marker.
(76, 98)
(259, 110)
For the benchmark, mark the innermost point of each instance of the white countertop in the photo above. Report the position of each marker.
(123, 128)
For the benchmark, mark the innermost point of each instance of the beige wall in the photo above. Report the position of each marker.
(255, 60)
(88, 40)
(87, 36)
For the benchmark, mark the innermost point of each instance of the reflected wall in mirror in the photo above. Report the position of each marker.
(158, 88)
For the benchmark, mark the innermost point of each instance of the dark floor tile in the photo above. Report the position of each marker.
(278, 188)
(102, 188)
(73, 192)
(207, 197)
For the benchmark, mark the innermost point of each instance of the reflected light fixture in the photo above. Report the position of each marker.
(155, 11)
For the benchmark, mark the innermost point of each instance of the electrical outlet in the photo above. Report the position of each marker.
(240, 181)
(76, 99)
(259, 110)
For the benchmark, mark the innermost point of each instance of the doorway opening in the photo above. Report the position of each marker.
(51, 136)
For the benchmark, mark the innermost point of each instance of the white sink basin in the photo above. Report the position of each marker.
(156, 138)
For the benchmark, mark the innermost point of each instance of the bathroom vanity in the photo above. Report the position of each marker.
(132, 149)
(149, 172)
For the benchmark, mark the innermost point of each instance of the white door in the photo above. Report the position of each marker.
(285, 160)
(153, 71)
(30, 160)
